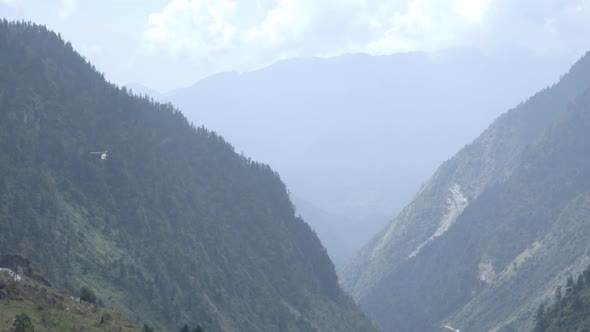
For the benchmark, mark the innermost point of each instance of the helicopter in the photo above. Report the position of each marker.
(103, 155)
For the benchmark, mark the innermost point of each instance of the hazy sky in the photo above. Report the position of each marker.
(167, 44)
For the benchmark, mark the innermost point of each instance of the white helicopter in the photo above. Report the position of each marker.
(103, 155)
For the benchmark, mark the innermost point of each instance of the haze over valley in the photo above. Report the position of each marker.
(278, 165)
(354, 137)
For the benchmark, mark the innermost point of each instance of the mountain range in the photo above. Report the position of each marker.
(355, 136)
(124, 200)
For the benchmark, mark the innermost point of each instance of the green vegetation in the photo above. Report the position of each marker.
(87, 294)
(173, 226)
(570, 310)
(22, 323)
(32, 307)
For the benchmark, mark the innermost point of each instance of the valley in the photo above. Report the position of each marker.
(294, 166)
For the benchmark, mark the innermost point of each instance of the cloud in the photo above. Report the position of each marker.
(198, 27)
(213, 30)
(216, 35)
(66, 9)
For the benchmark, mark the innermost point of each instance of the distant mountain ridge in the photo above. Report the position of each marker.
(356, 135)
(172, 226)
(497, 226)
(335, 230)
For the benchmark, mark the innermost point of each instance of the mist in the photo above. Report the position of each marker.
(295, 166)
(355, 136)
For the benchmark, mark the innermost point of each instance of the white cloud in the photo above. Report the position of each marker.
(472, 10)
(201, 27)
(211, 31)
(66, 9)
(218, 35)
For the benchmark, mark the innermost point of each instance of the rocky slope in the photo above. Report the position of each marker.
(458, 251)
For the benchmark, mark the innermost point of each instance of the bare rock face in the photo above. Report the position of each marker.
(10, 274)
(486, 270)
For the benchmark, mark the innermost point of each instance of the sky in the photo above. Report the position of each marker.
(168, 44)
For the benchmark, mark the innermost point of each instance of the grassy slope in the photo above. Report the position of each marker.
(52, 310)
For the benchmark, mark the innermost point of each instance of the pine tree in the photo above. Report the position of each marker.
(87, 294)
(569, 286)
(579, 284)
(557, 294)
(540, 320)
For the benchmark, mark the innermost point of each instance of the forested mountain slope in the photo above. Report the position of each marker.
(173, 226)
(486, 238)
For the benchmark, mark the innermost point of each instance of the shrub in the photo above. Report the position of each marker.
(87, 294)
(23, 323)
